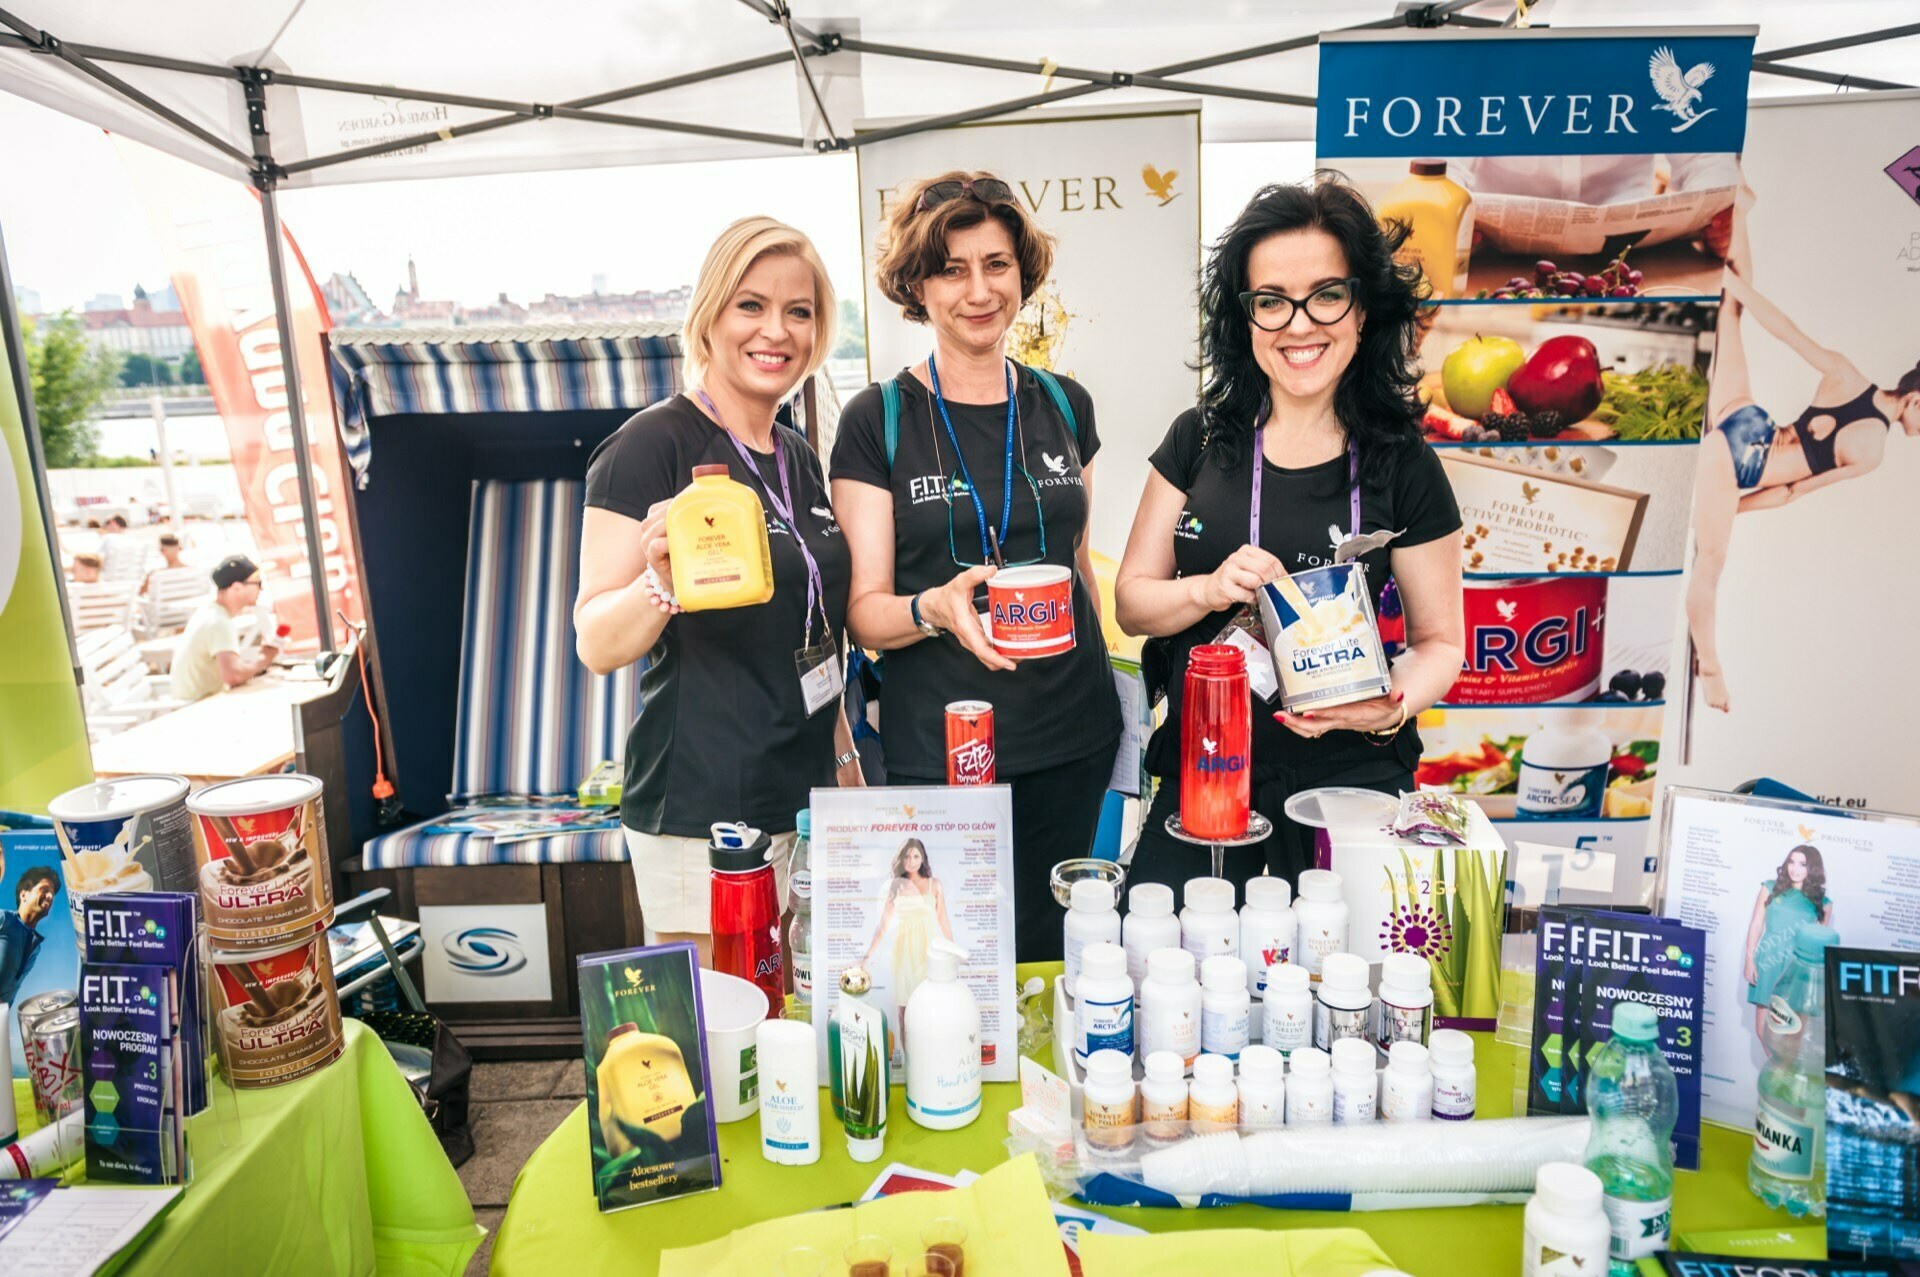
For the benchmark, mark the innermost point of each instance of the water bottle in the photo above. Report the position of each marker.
(800, 905)
(1634, 1101)
(745, 912)
(1788, 1167)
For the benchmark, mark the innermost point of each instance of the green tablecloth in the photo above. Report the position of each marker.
(336, 1174)
(552, 1225)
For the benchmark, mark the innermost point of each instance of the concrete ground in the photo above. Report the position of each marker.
(516, 1105)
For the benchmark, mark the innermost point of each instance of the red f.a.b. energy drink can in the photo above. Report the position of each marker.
(969, 743)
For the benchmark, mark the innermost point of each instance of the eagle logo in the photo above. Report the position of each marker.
(907, 810)
(1056, 464)
(1210, 745)
(1160, 185)
(1679, 90)
(1529, 491)
(709, 518)
(1507, 609)
(821, 512)
(1806, 835)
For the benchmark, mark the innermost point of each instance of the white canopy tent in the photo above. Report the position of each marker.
(295, 93)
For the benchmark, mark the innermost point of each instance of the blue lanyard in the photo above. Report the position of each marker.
(989, 548)
(782, 504)
(1260, 465)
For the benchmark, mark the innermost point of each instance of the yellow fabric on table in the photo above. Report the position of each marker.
(1307, 1252)
(1009, 1221)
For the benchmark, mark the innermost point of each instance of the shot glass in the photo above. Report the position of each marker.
(869, 1256)
(945, 1239)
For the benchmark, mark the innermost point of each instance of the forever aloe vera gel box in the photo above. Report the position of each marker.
(650, 1130)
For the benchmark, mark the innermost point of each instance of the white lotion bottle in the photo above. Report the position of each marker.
(1213, 1102)
(943, 1026)
(1267, 929)
(1225, 1009)
(1263, 1089)
(1108, 1111)
(789, 1092)
(1309, 1088)
(1090, 920)
(1406, 1088)
(1566, 1228)
(1321, 913)
(1208, 926)
(1169, 1010)
(1356, 1087)
(1163, 1099)
(1343, 1006)
(1149, 925)
(1455, 1084)
(1406, 1000)
(1286, 1013)
(1103, 1010)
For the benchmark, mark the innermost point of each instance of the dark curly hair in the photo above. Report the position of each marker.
(1376, 400)
(1814, 888)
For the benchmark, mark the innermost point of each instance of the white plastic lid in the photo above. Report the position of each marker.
(123, 796)
(1450, 1047)
(1091, 894)
(1344, 971)
(944, 958)
(1166, 1066)
(1268, 893)
(786, 1048)
(1567, 1189)
(1353, 1055)
(865, 1150)
(1103, 962)
(1319, 885)
(252, 794)
(1151, 900)
(1175, 965)
(1309, 1061)
(1224, 973)
(1286, 978)
(1210, 895)
(1340, 805)
(1110, 1066)
(1407, 1057)
(1262, 1064)
(1212, 1070)
(1406, 971)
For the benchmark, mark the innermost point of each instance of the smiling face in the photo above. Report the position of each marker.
(1303, 361)
(972, 300)
(36, 901)
(910, 862)
(763, 337)
(1797, 868)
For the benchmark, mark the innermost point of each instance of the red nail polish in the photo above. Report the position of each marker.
(1399, 697)
(1279, 718)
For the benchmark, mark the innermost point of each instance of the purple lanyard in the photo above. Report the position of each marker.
(1260, 465)
(782, 503)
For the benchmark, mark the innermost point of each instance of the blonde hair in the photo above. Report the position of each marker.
(728, 261)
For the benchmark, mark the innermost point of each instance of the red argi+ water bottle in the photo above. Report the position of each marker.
(746, 912)
(1216, 735)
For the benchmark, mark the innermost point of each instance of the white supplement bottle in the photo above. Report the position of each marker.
(1168, 1016)
(1321, 913)
(1356, 1087)
(1208, 926)
(1309, 1088)
(1108, 1113)
(1267, 929)
(1563, 771)
(1406, 1000)
(1263, 1089)
(1225, 1009)
(1090, 920)
(943, 1023)
(1103, 1008)
(1286, 1014)
(1149, 925)
(1344, 1005)
(1566, 1231)
(1213, 1102)
(1406, 1088)
(1163, 1099)
(1455, 1085)
(790, 1100)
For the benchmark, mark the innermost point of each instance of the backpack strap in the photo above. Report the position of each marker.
(890, 409)
(1051, 385)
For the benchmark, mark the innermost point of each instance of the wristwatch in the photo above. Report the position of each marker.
(851, 755)
(920, 623)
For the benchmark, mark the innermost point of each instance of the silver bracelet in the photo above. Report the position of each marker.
(850, 756)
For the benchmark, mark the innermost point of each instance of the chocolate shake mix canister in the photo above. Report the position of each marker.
(276, 1015)
(261, 843)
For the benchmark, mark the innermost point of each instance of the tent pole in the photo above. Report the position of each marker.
(1840, 42)
(785, 20)
(1764, 67)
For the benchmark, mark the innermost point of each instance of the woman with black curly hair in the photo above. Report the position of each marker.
(1309, 329)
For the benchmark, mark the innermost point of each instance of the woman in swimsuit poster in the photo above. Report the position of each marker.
(1842, 434)
(915, 903)
(1795, 898)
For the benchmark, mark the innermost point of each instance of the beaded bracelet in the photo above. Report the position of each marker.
(657, 592)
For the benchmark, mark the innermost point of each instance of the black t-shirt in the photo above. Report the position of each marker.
(1047, 711)
(1297, 509)
(724, 732)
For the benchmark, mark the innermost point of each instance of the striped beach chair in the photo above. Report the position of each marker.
(532, 720)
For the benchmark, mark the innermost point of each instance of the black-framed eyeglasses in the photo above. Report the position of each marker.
(1327, 304)
(988, 190)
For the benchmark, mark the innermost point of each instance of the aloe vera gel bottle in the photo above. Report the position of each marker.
(861, 1052)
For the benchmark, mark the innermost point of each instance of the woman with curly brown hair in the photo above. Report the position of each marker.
(1795, 898)
(962, 464)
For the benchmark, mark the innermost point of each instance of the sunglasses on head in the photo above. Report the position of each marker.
(988, 190)
(1327, 304)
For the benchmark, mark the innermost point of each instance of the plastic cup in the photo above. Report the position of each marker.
(733, 1009)
(869, 1256)
(802, 1261)
(945, 1238)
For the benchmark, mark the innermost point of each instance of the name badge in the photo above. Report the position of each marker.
(821, 677)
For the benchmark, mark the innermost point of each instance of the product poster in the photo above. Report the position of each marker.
(1872, 1103)
(895, 868)
(1569, 197)
(650, 1128)
(33, 903)
(1750, 873)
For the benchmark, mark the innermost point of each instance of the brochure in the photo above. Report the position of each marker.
(125, 1046)
(1873, 1095)
(1675, 1264)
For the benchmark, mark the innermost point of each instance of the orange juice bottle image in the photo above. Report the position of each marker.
(717, 540)
(1439, 213)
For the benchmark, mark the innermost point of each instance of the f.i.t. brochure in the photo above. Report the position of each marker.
(1873, 1096)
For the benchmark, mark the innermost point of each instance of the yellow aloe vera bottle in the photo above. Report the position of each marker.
(645, 1088)
(1439, 212)
(717, 539)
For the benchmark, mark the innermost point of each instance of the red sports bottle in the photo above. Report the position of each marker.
(1216, 735)
(746, 912)
(970, 743)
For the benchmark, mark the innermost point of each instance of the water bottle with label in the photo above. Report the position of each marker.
(1634, 1102)
(1787, 1168)
(800, 905)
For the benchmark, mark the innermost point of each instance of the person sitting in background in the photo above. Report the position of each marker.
(169, 551)
(85, 569)
(209, 658)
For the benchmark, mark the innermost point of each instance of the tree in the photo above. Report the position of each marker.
(69, 377)
(145, 370)
(853, 331)
(191, 373)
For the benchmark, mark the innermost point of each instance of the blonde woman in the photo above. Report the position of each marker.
(727, 731)
(916, 902)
